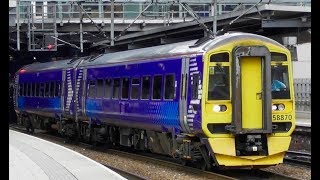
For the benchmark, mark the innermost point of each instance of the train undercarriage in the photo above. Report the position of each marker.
(188, 149)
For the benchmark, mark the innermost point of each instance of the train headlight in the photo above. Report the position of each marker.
(223, 108)
(278, 107)
(219, 108)
(216, 108)
(281, 107)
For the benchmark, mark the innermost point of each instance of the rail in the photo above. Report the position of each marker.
(298, 158)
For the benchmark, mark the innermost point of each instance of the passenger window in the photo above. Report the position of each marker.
(30, 93)
(33, 87)
(47, 90)
(157, 87)
(169, 92)
(219, 88)
(125, 88)
(36, 90)
(145, 87)
(221, 57)
(51, 88)
(21, 89)
(41, 87)
(29, 89)
(25, 89)
(107, 88)
(116, 88)
(57, 89)
(92, 89)
(99, 88)
(25, 93)
(135, 88)
(195, 84)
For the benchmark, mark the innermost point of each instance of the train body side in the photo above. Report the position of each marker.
(160, 114)
(38, 100)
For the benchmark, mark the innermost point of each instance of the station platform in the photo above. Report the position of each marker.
(303, 118)
(34, 158)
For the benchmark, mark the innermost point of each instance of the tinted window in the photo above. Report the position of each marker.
(47, 90)
(57, 89)
(169, 92)
(21, 89)
(25, 89)
(195, 83)
(157, 87)
(92, 88)
(221, 57)
(125, 88)
(52, 84)
(107, 88)
(145, 87)
(116, 88)
(25, 93)
(278, 57)
(219, 88)
(135, 88)
(29, 89)
(41, 87)
(33, 87)
(99, 88)
(36, 90)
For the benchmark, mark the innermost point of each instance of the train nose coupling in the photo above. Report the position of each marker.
(251, 144)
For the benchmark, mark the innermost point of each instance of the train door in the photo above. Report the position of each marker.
(183, 94)
(79, 90)
(68, 76)
(251, 89)
(83, 92)
(63, 91)
(191, 93)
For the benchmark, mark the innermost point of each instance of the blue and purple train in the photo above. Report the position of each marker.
(210, 102)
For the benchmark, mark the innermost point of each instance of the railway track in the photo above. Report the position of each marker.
(298, 158)
(244, 174)
(122, 152)
(300, 148)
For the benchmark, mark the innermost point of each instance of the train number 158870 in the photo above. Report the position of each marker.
(280, 117)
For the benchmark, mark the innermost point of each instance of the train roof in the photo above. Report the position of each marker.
(155, 52)
(63, 64)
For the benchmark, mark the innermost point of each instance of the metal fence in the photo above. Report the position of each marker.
(302, 89)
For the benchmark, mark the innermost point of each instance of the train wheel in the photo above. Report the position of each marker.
(29, 125)
(203, 166)
(184, 162)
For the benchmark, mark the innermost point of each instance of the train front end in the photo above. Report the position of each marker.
(248, 101)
